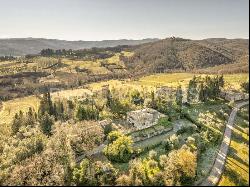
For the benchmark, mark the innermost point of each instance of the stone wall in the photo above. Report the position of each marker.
(233, 96)
(143, 135)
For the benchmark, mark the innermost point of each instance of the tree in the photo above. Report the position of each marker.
(30, 117)
(46, 105)
(107, 129)
(105, 173)
(153, 103)
(245, 86)
(47, 52)
(202, 93)
(83, 175)
(118, 109)
(87, 113)
(120, 148)
(179, 166)
(17, 122)
(46, 123)
(142, 172)
(40, 170)
(192, 90)
(179, 96)
(136, 98)
(113, 136)
(123, 180)
(59, 110)
(221, 81)
(80, 113)
(97, 173)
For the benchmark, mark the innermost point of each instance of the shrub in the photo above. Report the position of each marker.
(171, 143)
(179, 167)
(245, 86)
(136, 98)
(164, 122)
(186, 129)
(107, 129)
(119, 148)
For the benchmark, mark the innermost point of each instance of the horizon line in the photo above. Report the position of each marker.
(148, 38)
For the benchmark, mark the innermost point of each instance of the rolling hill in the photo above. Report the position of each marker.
(186, 55)
(24, 46)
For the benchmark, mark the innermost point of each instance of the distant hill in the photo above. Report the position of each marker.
(24, 46)
(184, 54)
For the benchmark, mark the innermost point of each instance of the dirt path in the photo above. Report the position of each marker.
(217, 169)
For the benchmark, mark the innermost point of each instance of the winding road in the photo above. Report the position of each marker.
(218, 167)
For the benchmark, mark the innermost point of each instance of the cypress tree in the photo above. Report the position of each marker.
(46, 123)
(202, 94)
(30, 117)
(179, 96)
(16, 124)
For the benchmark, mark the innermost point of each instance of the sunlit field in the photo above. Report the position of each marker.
(10, 108)
(237, 165)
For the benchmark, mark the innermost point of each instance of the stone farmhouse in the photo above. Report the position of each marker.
(141, 119)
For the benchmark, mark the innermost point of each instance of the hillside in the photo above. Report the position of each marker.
(73, 68)
(182, 54)
(24, 46)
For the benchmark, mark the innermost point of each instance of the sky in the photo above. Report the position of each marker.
(124, 19)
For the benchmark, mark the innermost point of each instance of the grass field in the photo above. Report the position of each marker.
(237, 165)
(10, 108)
(149, 83)
(93, 66)
(175, 79)
(70, 93)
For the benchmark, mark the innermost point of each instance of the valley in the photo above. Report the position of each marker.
(147, 114)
